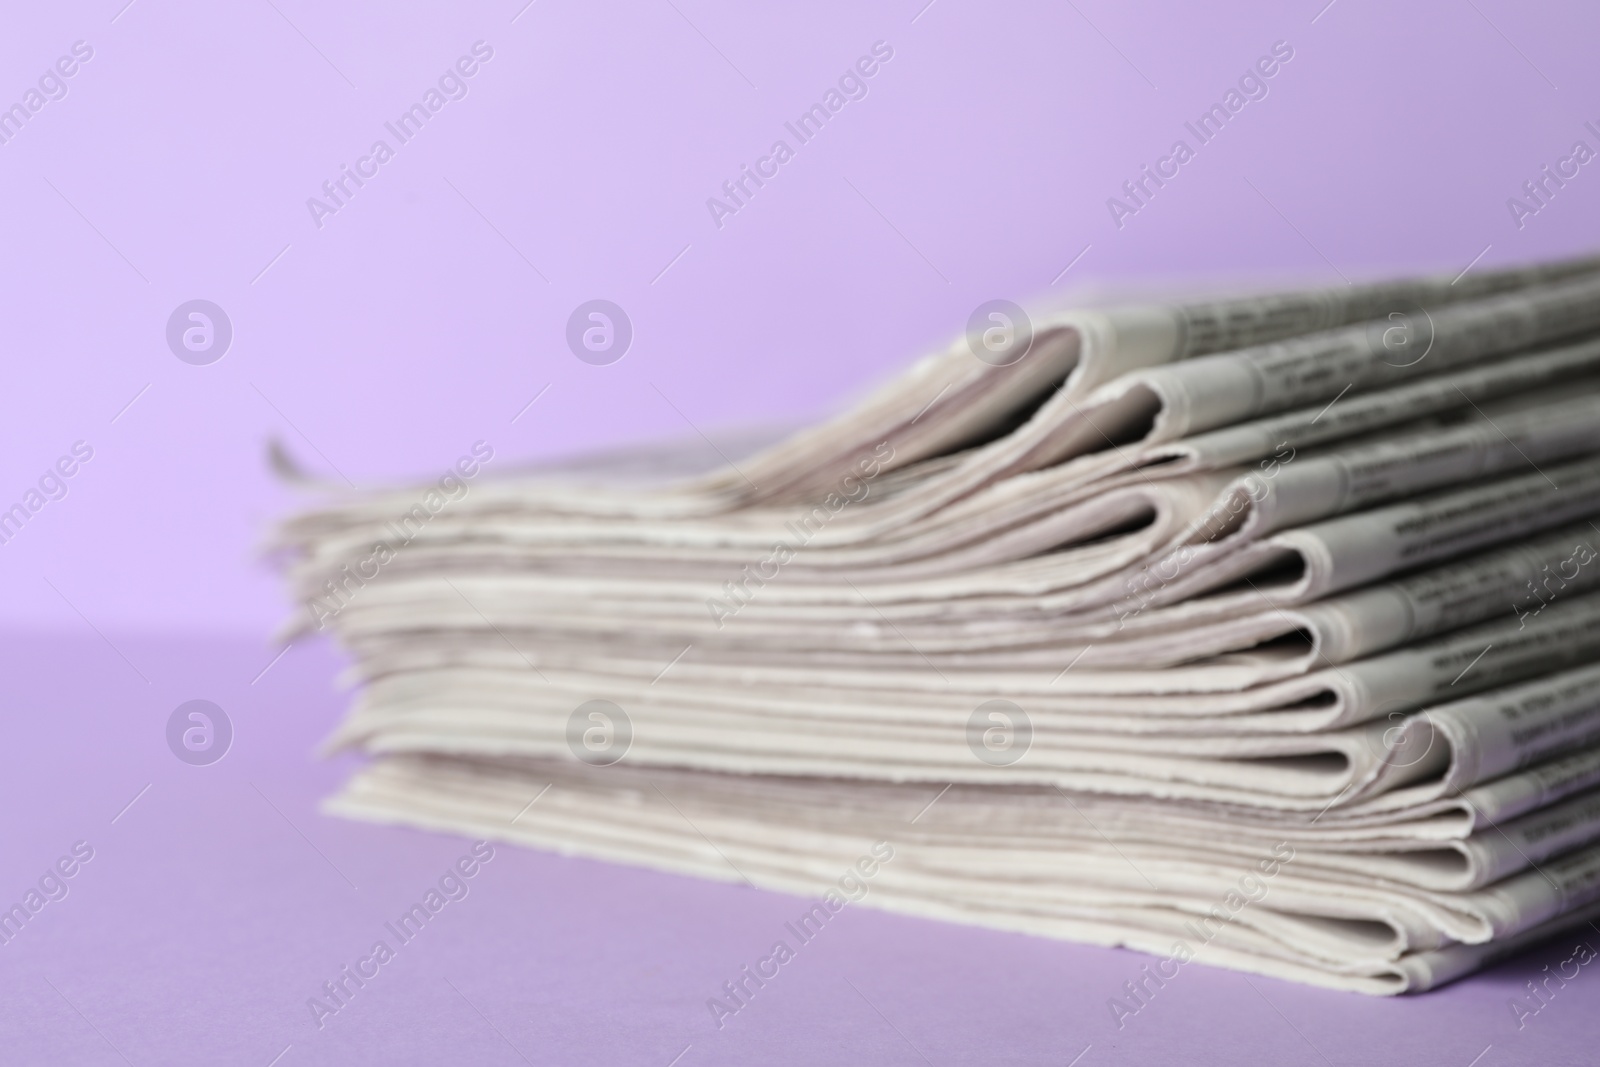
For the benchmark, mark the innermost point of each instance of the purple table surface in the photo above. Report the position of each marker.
(169, 150)
(218, 901)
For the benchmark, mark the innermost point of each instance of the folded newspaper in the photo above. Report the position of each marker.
(1257, 631)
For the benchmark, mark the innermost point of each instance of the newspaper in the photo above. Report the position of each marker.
(951, 401)
(1353, 550)
(1519, 579)
(1228, 388)
(1173, 400)
(1309, 741)
(1275, 909)
(1087, 577)
(1362, 413)
(1304, 584)
(953, 394)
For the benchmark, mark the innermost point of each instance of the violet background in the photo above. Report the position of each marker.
(416, 321)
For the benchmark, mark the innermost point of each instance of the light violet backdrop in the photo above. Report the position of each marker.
(431, 308)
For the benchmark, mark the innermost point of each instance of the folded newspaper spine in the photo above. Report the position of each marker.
(1258, 632)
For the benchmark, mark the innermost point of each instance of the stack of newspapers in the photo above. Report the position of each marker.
(1260, 632)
